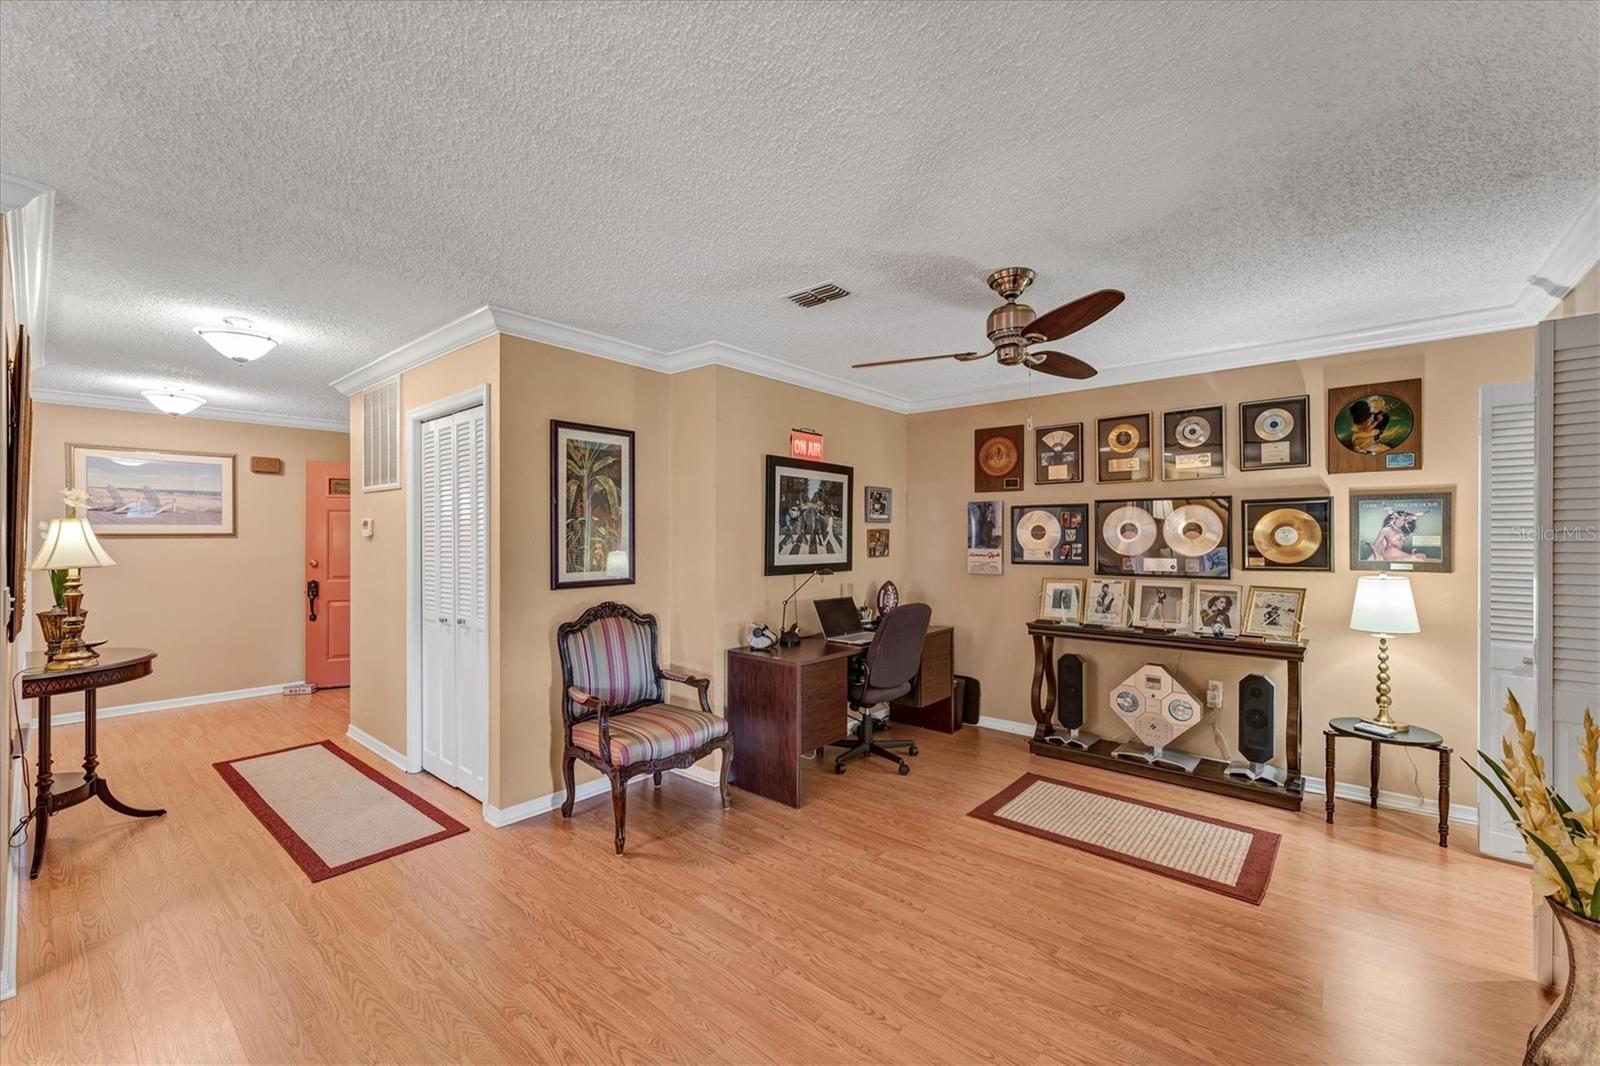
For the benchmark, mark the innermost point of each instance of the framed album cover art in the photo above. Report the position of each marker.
(1275, 433)
(1058, 454)
(808, 525)
(1050, 533)
(1192, 444)
(1375, 427)
(1176, 537)
(879, 504)
(1124, 448)
(1404, 531)
(997, 459)
(1288, 534)
(877, 544)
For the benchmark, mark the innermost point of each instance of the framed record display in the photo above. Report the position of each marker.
(1175, 537)
(1050, 534)
(1191, 444)
(1292, 534)
(1375, 427)
(997, 459)
(1275, 433)
(1123, 445)
(1058, 454)
(1405, 531)
(1105, 602)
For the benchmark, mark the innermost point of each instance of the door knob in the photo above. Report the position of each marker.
(313, 564)
(461, 621)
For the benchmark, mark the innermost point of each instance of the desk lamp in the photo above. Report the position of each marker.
(70, 545)
(1384, 607)
(790, 635)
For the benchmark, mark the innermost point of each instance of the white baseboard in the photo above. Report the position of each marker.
(701, 776)
(1392, 801)
(170, 704)
(500, 817)
(13, 876)
(377, 747)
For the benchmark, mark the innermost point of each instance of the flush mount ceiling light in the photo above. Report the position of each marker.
(237, 341)
(173, 402)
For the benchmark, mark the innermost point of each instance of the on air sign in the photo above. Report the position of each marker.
(805, 444)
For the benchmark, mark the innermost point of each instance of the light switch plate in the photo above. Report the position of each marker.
(1213, 695)
(366, 527)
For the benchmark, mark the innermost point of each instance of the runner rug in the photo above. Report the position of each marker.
(1235, 860)
(332, 812)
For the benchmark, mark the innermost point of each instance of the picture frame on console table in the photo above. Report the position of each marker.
(1293, 533)
(1058, 454)
(1184, 536)
(1375, 427)
(1061, 600)
(1123, 447)
(1050, 534)
(1160, 604)
(1216, 610)
(1407, 532)
(1192, 444)
(807, 524)
(1275, 434)
(1105, 602)
(591, 505)
(1274, 613)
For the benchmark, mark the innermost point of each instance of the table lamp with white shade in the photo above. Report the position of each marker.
(70, 545)
(1384, 607)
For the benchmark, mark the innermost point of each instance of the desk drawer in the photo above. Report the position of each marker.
(824, 696)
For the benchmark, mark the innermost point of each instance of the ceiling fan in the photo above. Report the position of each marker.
(1013, 328)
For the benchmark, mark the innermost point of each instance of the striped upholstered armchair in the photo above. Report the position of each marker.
(613, 710)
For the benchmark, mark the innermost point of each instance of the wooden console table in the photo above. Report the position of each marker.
(1209, 775)
(116, 665)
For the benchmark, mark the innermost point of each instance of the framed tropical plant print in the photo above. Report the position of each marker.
(591, 506)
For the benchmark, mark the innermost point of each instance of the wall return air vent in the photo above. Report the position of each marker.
(818, 294)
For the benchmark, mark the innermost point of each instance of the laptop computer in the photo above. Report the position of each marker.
(841, 621)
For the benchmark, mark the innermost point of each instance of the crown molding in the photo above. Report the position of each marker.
(30, 210)
(137, 405)
(715, 353)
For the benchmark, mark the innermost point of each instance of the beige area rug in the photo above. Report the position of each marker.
(332, 812)
(1235, 860)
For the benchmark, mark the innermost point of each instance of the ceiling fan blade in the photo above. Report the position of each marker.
(1071, 317)
(1061, 365)
(916, 359)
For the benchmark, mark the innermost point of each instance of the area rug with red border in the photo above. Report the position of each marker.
(332, 812)
(1234, 860)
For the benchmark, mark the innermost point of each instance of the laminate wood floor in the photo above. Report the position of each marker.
(877, 924)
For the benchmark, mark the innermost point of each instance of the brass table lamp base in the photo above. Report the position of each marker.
(72, 654)
(1382, 717)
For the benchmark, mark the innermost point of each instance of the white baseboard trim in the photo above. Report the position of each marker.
(701, 776)
(170, 704)
(13, 876)
(377, 747)
(1392, 801)
(500, 817)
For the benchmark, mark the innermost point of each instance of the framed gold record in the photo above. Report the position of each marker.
(1275, 433)
(1123, 449)
(997, 459)
(1288, 534)
(1192, 444)
(1179, 537)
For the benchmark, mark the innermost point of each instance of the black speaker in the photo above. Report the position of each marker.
(1257, 697)
(1069, 691)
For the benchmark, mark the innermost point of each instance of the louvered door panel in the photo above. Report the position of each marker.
(439, 746)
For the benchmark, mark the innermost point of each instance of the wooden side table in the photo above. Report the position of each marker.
(1415, 737)
(116, 665)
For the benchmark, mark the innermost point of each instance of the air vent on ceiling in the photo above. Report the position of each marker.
(818, 294)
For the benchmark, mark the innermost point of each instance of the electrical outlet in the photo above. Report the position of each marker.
(1214, 695)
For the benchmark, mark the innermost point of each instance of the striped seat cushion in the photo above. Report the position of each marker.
(613, 660)
(651, 732)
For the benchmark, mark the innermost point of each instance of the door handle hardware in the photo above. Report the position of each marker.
(461, 621)
(443, 620)
(312, 563)
(313, 590)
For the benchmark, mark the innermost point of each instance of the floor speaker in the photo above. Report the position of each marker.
(1257, 697)
(1069, 691)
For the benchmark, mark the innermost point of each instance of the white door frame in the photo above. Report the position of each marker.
(461, 401)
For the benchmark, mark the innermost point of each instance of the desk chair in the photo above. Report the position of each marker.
(886, 673)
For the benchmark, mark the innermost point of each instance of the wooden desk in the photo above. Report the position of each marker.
(786, 701)
(116, 665)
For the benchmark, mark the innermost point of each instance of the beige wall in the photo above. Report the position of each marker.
(223, 613)
(1584, 298)
(1435, 673)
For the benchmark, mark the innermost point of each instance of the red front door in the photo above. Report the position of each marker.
(327, 591)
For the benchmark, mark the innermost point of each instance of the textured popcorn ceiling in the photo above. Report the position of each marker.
(352, 175)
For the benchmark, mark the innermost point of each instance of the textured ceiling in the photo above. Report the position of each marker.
(352, 175)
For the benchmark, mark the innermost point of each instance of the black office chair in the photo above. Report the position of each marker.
(885, 673)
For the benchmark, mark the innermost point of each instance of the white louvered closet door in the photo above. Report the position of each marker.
(455, 651)
(1506, 587)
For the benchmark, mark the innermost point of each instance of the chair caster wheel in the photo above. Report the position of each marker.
(905, 768)
(912, 750)
(838, 767)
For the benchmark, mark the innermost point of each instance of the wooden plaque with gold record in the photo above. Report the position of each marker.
(997, 459)
(1289, 534)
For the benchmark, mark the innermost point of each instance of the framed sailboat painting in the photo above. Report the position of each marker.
(135, 493)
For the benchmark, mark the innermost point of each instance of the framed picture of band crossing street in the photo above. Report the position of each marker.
(808, 525)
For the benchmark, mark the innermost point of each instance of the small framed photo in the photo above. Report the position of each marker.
(1160, 604)
(879, 504)
(986, 537)
(1124, 448)
(1106, 602)
(1061, 600)
(1275, 433)
(1404, 531)
(1217, 609)
(877, 544)
(1058, 454)
(1274, 613)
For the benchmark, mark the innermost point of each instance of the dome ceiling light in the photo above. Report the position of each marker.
(172, 401)
(237, 340)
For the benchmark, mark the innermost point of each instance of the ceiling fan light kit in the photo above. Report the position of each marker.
(1013, 328)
